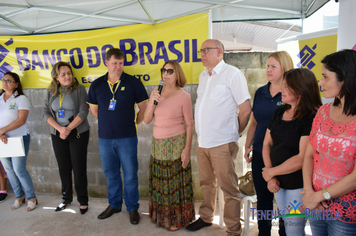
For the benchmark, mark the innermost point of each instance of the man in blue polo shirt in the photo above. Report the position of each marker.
(112, 99)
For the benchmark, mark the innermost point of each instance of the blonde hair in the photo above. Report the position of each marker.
(284, 59)
(53, 87)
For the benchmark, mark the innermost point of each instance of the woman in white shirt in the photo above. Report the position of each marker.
(14, 107)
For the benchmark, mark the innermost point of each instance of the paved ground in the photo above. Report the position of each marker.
(45, 221)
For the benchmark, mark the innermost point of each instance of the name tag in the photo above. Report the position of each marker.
(112, 105)
(60, 113)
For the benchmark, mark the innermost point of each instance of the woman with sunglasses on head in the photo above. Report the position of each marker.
(267, 100)
(66, 111)
(171, 203)
(14, 108)
(285, 143)
(329, 169)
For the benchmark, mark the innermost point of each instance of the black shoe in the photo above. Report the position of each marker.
(83, 211)
(109, 211)
(62, 205)
(134, 217)
(3, 196)
(196, 225)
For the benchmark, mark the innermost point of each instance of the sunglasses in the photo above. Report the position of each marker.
(169, 71)
(206, 50)
(8, 81)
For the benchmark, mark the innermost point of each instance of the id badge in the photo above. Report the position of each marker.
(112, 105)
(60, 113)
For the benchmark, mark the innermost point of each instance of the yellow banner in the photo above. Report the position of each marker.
(146, 47)
(313, 50)
(308, 53)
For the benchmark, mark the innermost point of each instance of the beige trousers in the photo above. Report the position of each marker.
(217, 163)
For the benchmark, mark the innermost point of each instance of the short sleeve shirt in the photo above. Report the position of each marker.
(9, 111)
(264, 105)
(286, 137)
(120, 122)
(334, 157)
(172, 114)
(216, 120)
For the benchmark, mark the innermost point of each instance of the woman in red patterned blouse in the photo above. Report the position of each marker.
(329, 171)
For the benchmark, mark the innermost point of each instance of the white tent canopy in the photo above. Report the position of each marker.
(23, 17)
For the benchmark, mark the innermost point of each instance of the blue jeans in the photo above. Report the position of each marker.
(17, 173)
(115, 153)
(286, 199)
(332, 228)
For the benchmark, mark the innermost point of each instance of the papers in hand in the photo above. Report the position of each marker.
(13, 148)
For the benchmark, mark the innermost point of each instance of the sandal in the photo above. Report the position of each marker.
(31, 204)
(172, 228)
(17, 203)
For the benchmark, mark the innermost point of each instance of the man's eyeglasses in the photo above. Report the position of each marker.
(206, 50)
(8, 81)
(169, 71)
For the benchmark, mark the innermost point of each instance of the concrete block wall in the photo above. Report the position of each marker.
(42, 164)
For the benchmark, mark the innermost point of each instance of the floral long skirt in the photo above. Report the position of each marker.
(171, 200)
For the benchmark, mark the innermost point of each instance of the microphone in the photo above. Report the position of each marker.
(160, 87)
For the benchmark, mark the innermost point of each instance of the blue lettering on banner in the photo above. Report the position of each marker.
(23, 58)
(164, 55)
(80, 58)
(90, 58)
(104, 49)
(86, 80)
(36, 60)
(64, 51)
(145, 77)
(142, 52)
(49, 59)
(175, 51)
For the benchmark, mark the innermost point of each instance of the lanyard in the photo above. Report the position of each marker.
(111, 88)
(60, 97)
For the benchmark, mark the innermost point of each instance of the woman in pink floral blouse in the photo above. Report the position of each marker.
(329, 171)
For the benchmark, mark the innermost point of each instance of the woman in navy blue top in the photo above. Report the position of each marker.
(267, 100)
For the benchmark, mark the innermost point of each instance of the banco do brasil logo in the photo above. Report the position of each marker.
(4, 66)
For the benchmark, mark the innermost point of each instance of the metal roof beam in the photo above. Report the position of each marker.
(310, 5)
(12, 29)
(115, 7)
(92, 15)
(13, 5)
(15, 24)
(146, 11)
(205, 9)
(244, 6)
(58, 24)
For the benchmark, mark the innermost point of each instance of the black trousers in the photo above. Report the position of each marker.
(71, 154)
(264, 196)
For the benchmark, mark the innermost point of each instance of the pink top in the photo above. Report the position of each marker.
(334, 147)
(170, 114)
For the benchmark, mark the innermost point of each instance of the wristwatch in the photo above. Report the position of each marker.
(326, 194)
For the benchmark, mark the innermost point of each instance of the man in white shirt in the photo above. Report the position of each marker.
(222, 88)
